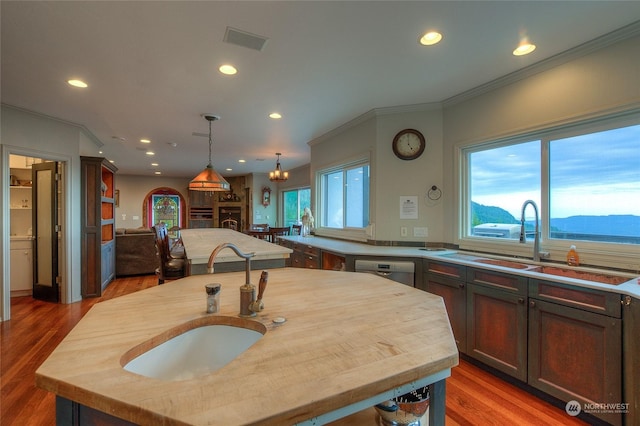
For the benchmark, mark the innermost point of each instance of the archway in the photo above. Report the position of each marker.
(166, 205)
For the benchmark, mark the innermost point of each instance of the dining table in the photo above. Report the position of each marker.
(261, 233)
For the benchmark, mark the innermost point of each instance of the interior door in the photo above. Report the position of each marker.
(45, 231)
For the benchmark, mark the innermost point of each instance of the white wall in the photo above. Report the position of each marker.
(34, 135)
(371, 136)
(595, 84)
(134, 189)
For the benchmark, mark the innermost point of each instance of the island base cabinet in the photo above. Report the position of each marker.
(576, 355)
(497, 329)
(71, 413)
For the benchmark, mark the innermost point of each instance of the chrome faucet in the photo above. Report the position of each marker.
(248, 290)
(536, 239)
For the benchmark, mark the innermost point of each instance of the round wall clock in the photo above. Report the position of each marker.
(408, 144)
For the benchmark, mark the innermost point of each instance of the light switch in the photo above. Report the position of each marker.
(403, 231)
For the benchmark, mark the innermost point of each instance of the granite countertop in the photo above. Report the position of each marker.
(199, 243)
(631, 287)
(347, 338)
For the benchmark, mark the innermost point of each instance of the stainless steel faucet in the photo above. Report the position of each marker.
(248, 290)
(536, 238)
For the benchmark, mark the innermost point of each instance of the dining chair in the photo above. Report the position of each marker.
(230, 224)
(275, 232)
(169, 267)
(296, 229)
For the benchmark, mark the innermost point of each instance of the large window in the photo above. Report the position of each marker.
(344, 196)
(294, 202)
(585, 181)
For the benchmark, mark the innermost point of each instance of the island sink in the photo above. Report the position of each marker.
(194, 353)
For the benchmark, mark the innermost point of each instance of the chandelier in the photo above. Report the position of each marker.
(278, 175)
(209, 180)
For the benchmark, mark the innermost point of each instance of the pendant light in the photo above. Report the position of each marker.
(209, 180)
(278, 175)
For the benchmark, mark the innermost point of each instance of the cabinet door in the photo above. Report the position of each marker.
(108, 263)
(21, 268)
(497, 329)
(575, 355)
(455, 300)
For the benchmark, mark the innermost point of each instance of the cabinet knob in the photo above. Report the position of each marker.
(532, 303)
(521, 300)
(461, 285)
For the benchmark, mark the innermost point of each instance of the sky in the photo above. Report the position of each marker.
(595, 174)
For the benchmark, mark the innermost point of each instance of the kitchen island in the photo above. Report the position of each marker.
(349, 341)
(199, 243)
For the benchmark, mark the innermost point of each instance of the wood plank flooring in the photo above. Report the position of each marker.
(474, 397)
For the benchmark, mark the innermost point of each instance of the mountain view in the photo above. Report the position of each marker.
(613, 225)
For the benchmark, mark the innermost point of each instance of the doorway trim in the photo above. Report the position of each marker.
(65, 255)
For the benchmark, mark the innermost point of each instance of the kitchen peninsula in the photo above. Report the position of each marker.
(348, 341)
(199, 243)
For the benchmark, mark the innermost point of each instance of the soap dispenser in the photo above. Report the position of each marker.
(572, 257)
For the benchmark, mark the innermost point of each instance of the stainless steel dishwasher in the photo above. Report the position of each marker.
(400, 271)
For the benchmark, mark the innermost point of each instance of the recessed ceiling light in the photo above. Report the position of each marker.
(111, 161)
(242, 161)
(145, 141)
(228, 69)
(150, 153)
(154, 164)
(430, 38)
(228, 169)
(524, 48)
(275, 115)
(120, 138)
(157, 173)
(77, 83)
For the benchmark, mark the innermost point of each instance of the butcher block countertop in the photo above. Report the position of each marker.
(347, 337)
(199, 243)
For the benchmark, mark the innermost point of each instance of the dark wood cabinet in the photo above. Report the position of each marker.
(97, 225)
(333, 261)
(209, 209)
(310, 257)
(448, 281)
(200, 209)
(497, 329)
(306, 256)
(575, 345)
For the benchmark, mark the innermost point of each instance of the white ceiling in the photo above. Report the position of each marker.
(152, 66)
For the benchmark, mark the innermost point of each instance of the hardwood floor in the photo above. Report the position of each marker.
(474, 397)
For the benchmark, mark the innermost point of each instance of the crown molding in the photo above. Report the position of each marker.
(616, 36)
(97, 142)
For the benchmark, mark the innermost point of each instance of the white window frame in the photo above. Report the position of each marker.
(623, 256)
(348, 233)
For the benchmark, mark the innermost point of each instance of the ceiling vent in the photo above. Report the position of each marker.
(244, 39)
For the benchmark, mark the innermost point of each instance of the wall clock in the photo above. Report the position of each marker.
(408, 144)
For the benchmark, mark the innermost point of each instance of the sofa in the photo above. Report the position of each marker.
(135, 252)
